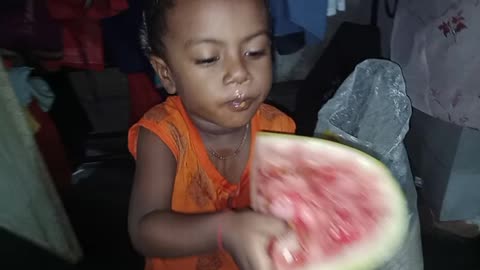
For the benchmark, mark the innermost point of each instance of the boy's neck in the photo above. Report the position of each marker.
(208, 129)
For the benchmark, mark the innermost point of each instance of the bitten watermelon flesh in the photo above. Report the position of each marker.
(345, 208)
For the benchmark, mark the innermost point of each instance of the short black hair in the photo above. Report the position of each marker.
(155, 17)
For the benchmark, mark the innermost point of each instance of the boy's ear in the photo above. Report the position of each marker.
(161, 68)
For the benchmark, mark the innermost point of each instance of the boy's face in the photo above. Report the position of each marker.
(218, 59)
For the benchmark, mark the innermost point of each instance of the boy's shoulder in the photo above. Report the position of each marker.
(163, 111)
(272, 119)
(165, 120)
(270, 112)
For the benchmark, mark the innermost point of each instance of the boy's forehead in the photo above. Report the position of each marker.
(217, 16)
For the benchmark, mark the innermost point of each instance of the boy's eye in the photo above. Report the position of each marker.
(207, 61)
(256, 54)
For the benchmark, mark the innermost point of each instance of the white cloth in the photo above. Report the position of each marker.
(334, 6)
(29, 204)
(436, 43)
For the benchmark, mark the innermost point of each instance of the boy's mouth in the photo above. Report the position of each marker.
(240, 102)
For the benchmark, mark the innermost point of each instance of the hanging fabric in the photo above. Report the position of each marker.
(27, 26)
(436, 43)
(122, 39)
(31, 208)
(82, 33)
(123, 48)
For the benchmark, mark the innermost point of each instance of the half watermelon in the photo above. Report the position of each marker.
(345, 207)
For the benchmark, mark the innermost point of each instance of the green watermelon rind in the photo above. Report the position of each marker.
(392, 239)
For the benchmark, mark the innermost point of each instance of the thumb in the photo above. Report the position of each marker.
(272, 226)
(261, 260)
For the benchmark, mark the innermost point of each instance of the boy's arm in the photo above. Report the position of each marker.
(155, 230)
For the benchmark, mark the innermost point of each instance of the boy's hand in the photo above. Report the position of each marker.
(247, 236)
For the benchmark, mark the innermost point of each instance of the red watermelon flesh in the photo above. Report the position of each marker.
(339, 202)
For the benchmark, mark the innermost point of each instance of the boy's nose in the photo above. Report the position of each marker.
(236, 73)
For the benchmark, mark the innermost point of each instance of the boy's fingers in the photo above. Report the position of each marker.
(260, 259)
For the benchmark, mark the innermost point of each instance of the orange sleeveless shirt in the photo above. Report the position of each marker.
(199, 187)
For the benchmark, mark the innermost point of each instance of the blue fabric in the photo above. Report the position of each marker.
(282, 25)
(27, 88)
(293, 16)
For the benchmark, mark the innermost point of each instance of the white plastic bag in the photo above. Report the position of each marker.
(371, 112)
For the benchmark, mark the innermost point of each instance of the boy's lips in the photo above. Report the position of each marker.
(240, 104)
